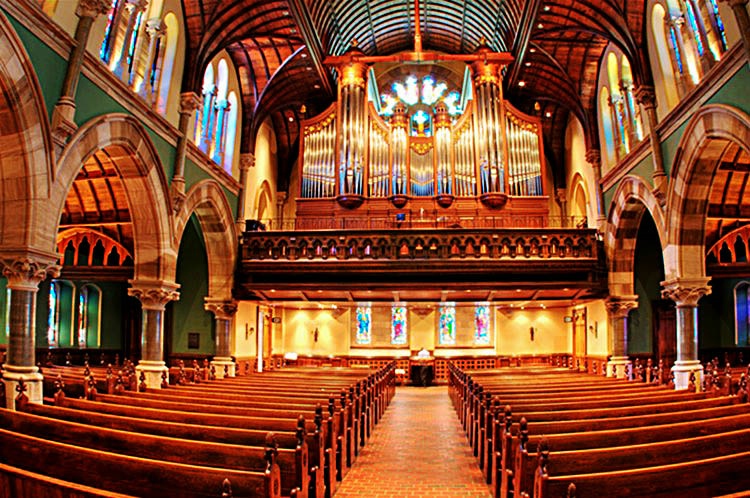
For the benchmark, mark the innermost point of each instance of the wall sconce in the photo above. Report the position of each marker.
(315, 334)
(531, 333)
(248, 331)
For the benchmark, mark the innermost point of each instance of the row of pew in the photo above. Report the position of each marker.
(553, 432)
(291, 432)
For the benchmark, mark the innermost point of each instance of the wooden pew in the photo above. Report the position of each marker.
(15, 482)
(131, 475)
(293, 463)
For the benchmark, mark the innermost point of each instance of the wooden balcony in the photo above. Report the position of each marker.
(422, 264)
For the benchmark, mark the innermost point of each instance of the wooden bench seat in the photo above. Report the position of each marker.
(293, 463)
(131, 475)
(15, 482)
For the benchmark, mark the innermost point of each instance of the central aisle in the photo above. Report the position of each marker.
(417, 449)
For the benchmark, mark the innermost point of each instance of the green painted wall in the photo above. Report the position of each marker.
(716, 315)
(50, 67)
(188, 315)
(648, 273)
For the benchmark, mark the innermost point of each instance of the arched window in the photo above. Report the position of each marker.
(165, 60)
(447, 325)
(105, 52)
(741, 315)
(620, 114)
(60, 313)
(89, 316)
(668, 72)
(216, 123)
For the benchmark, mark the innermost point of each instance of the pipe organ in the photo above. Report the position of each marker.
(423, 142)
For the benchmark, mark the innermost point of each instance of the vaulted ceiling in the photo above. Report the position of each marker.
(278, 47)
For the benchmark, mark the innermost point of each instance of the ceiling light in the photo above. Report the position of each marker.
(316, 86)
(548, 114)
(273, 290)
(291, 118)
(540, 26)
(532, 50)
(303, 55)
(527, 64)
(547, 8)
(522, 84)
(518, 290)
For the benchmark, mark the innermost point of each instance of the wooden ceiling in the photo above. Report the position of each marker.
(729, 201)
(97, 199)
(278, 47)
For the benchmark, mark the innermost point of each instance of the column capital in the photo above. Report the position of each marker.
(222, 309)
(646, 96)
(154, 294)
(24, 273)
(155, 27)
(247, 160)
(561, 195)
(686, 291)
(93, 8)
(620, 306)
(594, 157)
(136, 5)
(189, 102)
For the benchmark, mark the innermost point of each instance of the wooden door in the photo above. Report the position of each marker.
(579, 336)
(665, 331)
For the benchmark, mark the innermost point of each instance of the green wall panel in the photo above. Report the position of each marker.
(716, 315)
(648, 274)
(50, 67)
(188, 314)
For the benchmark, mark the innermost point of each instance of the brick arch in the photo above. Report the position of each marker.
(694, 167)
(207, 201)
(27, 157)
(145, 187)
(632, 199)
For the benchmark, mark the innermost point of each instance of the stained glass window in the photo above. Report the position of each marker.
(447, 326)
(676, 49)
(719, 25)
(694, 27)
(53, 314)
(134, 41)
(398, 325)
(106, 48)
(742, 317)
(82, 316)
(482, 324)
(420, 97)
(7, 313)
(364, 315)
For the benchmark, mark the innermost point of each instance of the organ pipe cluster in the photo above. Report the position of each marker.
(491, 149)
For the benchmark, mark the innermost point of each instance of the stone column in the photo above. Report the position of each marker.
(189, 102)
(686, 292)
(647, 98)
(133, 8)
(281, 198)
(63, 115)
(155, 30)
(247, 161)
(24, 275)
(739, 8)
(153, 295)
(594, 158)
(223, 311)
(562, 200)
(618, 309)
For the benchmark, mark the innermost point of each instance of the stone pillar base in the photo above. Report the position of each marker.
(682, 371)
(31, 378)
(618, 366)
(152, 371)
(219, 362)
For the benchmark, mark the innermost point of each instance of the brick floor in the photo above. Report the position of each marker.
(417, 450)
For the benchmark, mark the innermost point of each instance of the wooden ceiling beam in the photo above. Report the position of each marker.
(302, 18)
(521, 41)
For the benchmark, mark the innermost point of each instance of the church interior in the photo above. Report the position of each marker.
(286, 208)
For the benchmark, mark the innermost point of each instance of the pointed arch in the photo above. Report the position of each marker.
(209, 204)
(263, 200)
(26, 160)
(632, 199)
(579, 198)
(694, 166)
(142, 174)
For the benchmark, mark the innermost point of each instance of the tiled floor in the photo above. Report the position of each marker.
(417, 450)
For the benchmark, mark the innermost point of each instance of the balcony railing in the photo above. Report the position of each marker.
(410, 244)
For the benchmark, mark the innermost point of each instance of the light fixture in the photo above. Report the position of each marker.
(527, 64)
(303, 55)
(532, 50)
(548, 114)
(522, 84)
(547, 8)
(540, 26)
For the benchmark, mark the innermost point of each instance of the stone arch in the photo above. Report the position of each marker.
(263, 199)
(145, 187)
(209, 204)
(27, 158)
(631, 200)
(695, 164)
(577, 189)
